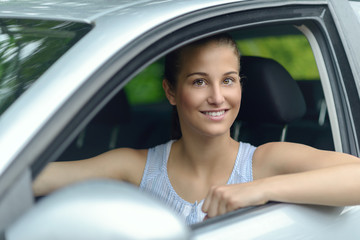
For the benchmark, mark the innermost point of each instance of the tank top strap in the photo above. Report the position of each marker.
(156, 161)
(242, 171)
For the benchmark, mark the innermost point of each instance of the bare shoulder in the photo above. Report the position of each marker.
(277, 158)
(276, 148)
(262, 160)
(125, 164)
(284, 157)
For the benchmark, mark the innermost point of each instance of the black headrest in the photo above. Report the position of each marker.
(314, 98)
(270, 94)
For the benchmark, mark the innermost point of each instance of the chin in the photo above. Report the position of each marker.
(217, 133)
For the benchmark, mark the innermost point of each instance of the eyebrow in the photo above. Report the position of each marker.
(197, 73)
(205, 74)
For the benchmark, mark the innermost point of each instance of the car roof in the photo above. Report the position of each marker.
(91, 10)
(63, 10)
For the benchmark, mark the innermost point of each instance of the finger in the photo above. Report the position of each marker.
(219, 200)
(222, 207)
(213, 207)
(207, 201)
(232, 205)
(206, 204)
(226, 198)
(211, 203)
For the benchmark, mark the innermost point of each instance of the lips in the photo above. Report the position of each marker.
(215, 115)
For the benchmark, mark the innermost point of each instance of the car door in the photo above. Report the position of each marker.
(337, 64)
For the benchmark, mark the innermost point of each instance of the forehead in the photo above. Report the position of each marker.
(208, 52)
(204, 46)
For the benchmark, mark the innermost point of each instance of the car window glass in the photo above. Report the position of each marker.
(28, 48)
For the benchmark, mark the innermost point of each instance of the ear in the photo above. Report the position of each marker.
(169, 92)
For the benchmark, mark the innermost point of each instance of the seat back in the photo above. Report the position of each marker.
(270, 100)
(314, 128)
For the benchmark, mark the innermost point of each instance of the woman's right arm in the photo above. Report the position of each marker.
(122, 164)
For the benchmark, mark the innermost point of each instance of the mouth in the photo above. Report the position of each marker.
(215, 115)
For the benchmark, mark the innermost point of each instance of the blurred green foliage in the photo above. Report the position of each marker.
(28, 48)
(146, 87)
(292, 51)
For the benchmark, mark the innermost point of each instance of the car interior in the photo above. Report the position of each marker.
(287, 109)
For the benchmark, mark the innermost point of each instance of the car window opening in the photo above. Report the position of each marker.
(143, 98)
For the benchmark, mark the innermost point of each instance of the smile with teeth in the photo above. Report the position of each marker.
(215, 114)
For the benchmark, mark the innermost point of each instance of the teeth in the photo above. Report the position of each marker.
(215, 114)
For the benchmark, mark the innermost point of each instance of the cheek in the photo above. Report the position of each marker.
(235, 101)
(240, 96)
(188, 99)
(234, 96)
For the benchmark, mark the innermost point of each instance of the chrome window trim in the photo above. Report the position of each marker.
(347, 25)
(325, 82)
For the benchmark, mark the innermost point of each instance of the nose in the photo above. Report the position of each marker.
(216, 96)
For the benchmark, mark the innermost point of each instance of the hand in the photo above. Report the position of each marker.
(226, 198)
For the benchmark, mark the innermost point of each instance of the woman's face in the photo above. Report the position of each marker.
(208, 90)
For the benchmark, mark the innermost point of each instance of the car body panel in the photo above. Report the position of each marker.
(356, 7)
(89, 11)
(284, 221)
(344, 17)
(108, 210)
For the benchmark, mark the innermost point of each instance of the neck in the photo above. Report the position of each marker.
(196, 164)
(204, 155)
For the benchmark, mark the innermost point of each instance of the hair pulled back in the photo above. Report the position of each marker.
(173, 66)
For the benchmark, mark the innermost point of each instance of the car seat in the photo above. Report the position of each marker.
(314, 128)
(271, 99)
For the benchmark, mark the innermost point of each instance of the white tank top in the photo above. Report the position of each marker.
(155, 179)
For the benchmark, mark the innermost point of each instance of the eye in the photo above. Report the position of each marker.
(199, 82)
(228, 81)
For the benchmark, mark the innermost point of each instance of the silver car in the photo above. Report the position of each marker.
(78, 78)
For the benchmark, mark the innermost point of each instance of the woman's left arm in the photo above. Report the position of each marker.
(301, 174)
(294, 173)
